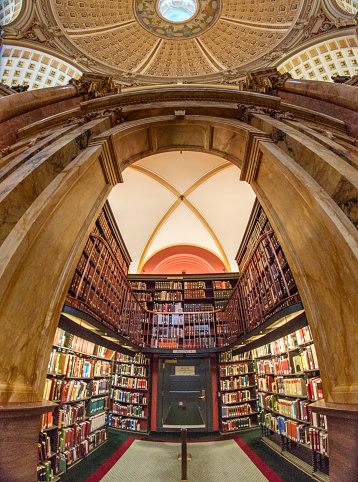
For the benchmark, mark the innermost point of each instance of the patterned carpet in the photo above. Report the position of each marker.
(212, 461)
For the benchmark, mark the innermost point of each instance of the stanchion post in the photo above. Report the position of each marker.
(184, 455)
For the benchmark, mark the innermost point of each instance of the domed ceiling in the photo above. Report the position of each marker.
(133, 37)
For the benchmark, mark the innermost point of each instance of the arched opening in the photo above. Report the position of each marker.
(39, 251)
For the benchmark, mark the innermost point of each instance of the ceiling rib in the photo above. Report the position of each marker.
(211, 60)
(143, 66)
(96, 30)
(189, 205)
(257, 25)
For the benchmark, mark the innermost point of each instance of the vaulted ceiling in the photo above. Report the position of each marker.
(187, 198)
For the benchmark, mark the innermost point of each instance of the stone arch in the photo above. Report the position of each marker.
(85, 161)
(303, 171)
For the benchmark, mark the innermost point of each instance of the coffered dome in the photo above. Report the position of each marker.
(173, 39)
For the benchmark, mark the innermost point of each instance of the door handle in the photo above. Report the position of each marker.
(202, 395)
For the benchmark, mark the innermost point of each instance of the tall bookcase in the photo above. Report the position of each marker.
(288, 381)
(129, 406)
(237, 396)
(79, 379)
(183, 310)
(266, 283)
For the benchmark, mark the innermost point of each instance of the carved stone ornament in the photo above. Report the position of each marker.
(277, 80)
(246, 112)
(115, 114)
(93, 86)
(179, 114)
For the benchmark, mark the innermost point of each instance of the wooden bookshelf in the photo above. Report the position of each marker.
(265, 284)
(183, 311)
(288, 381)
(237, 396)
(129, 405)
(79, 380)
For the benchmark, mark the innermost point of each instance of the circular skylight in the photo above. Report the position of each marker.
(177, 10)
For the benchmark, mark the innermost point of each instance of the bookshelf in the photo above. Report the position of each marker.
(237, 396)
(183, 310)
(288, 381)
(129, 403)
(100, 287)
(79, 379)
(266, 283)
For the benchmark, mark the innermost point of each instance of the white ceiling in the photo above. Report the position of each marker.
(212, 214)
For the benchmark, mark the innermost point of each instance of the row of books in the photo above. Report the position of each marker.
(218, 294)
(314, 389)
(319, 420)
(228, 357)
(236, 397)
(124, 423)
(97, 421)
(235, 383)
(194, 294)
(75, 343)
(298, 409)
(167, 343)
(291, 429)
(221, 285)
(100, 387)
(198, 307)
(138, 285)
(236, 424)
(144, 297)
(279, 365)
(138, 359)
(71, 436)
(168, 285)
(293, 408)
(130, 369)
(283, 386)
(44, 471)
(168, 296)
(285, 365)
(168, 307)
(129, 382)
(131, 410)
(73, 390)
(71, 455)
(76, 366)
(47, 420)
(291, 386)
(235, 410)
(70, 414)
(130, 397)
(318, 441)
(188, 285)
(96, 405)
(231, 370)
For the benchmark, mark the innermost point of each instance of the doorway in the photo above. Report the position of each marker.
(184, 394)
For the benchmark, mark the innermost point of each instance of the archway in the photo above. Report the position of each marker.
(42, 235)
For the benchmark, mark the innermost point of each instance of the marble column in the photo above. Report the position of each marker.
(47, 225)
(15, 105)
(339, 94)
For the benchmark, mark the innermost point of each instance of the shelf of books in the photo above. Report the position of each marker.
(182, 312)
(129, 404)
(288, 381)
(266, 283)
(237, 396)
(79, 380)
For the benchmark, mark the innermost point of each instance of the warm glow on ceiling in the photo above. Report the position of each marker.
(188, 198)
